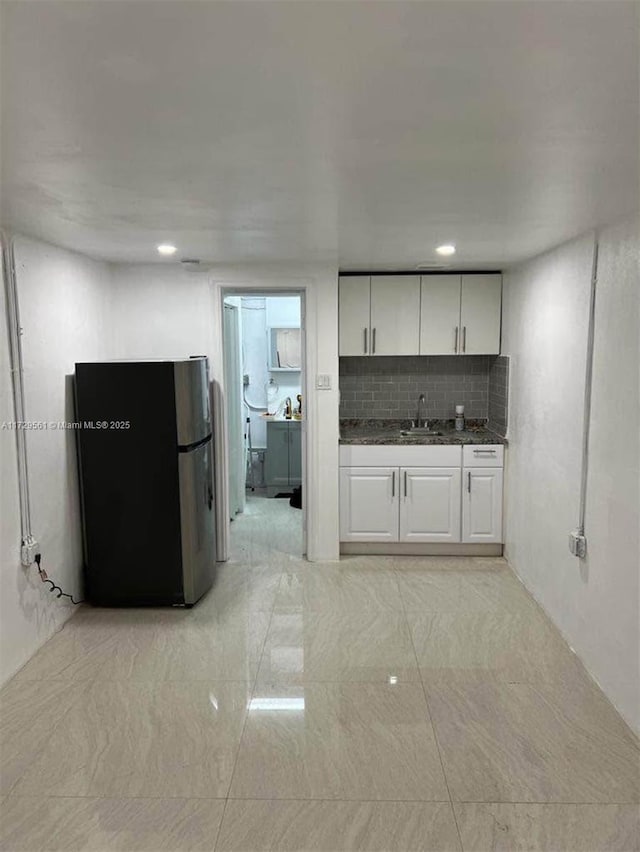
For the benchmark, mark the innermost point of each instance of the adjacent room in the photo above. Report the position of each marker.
(264, 380)
(320, 426)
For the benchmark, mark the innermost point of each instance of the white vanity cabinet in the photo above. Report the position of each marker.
(283, 457)
(421, 495)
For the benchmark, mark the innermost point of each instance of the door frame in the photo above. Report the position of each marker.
(262, 291)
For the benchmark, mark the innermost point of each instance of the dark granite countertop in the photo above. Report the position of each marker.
(388, 432)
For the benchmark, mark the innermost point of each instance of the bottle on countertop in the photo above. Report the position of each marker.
(459, 418)
(288, 411)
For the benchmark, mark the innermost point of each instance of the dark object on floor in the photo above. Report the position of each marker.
(296, 499)
(282, 494)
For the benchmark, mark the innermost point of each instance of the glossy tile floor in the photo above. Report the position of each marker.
(378, 704)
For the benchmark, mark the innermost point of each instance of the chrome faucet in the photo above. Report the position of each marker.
(420, 421)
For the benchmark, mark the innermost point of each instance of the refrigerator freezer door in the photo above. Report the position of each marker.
(193, 413)
(197, 521)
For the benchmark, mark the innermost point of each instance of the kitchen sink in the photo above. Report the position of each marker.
(407, 433)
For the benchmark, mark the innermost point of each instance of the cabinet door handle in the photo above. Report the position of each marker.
(405, 483)
(484, 452)
(393, 484)
(464, 338)
(373, 342)
(365, 341)
(455, 345)
(469, 482)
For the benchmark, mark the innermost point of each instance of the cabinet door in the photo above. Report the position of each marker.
(480, 314)
(276, 461)
(369, 503)
(482, 505)
(430, 504)
(395, 315)
(440, 315)
(295, 453)
(354, 315)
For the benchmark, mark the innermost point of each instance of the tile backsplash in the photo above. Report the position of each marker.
(389, 387)
(499, 394)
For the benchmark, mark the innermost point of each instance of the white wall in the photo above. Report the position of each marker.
(545, 318)
(64, 308)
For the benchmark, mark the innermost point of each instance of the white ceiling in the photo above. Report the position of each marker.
(362, 132)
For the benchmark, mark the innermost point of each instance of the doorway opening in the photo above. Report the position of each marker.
(264, 380)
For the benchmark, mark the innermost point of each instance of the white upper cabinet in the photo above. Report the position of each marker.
(460, 314)
(480, 313)
(395, 315)
(440, 315)
(354, 315)
(409, 315)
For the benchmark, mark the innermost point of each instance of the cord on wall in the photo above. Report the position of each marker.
(577, 538)
(29, 545)
(54, 588)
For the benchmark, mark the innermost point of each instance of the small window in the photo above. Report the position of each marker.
(284, 349)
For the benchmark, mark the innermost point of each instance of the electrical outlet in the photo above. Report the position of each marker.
(28, 552)
(578, 544)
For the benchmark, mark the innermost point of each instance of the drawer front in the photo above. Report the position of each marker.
(362, 455)
(483, 455)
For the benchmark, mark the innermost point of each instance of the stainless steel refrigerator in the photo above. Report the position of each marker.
(146, 481)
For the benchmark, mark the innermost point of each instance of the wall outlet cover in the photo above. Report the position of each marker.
(578, 544)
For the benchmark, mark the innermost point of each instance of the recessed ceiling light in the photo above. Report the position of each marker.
(446, 249)
(166, 249)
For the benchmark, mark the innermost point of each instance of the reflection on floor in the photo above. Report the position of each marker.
(379, 703)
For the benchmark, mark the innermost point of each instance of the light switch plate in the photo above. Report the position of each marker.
(323, 381)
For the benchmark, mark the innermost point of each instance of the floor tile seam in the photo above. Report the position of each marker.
(437, 743)
(262, 650)
(338, 609)
(121, 798)
(480, 677)
(276, 681)
(538, 802)
(218, 832)
(246, 717)
(338, 799)
(556, 803)
(156, 681)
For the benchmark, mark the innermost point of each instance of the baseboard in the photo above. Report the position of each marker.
(373, 548)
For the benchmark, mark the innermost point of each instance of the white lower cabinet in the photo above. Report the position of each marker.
(431, 495)
(369, 504)
(482, 505)
(430, 504)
